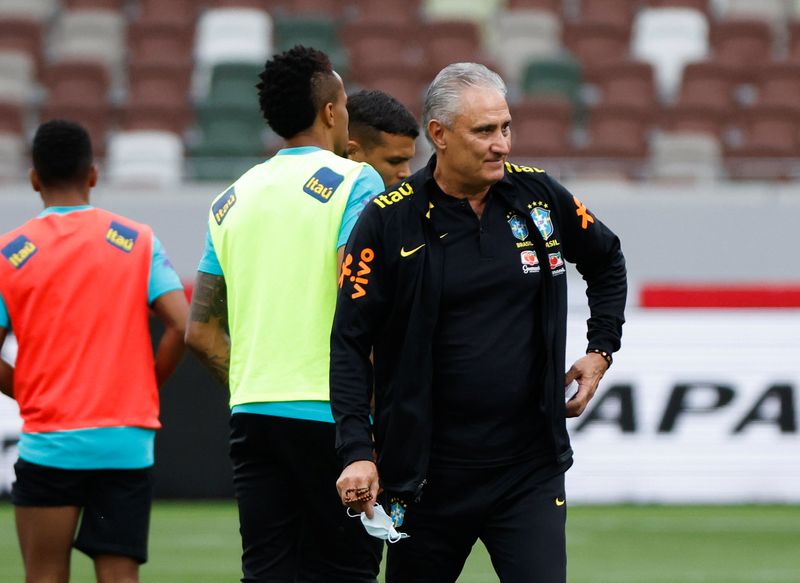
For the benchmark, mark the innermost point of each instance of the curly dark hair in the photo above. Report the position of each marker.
(374, 111)
(294, 86)
(62, 153)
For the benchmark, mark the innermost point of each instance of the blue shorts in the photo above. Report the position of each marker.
(115, 503)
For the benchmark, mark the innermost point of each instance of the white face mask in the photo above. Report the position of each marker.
(380, 525)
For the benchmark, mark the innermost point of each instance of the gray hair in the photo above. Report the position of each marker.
(442, 100)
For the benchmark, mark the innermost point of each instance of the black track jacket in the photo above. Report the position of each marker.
(388, 303)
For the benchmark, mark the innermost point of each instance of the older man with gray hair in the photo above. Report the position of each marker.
(456, 282)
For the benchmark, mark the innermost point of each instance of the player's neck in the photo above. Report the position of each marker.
(53, 198)
(313, 136)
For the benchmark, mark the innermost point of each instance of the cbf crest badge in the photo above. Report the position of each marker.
(518, 227)
(541, 218)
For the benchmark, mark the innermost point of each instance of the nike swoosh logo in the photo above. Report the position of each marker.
(560, 502)
(404, 253)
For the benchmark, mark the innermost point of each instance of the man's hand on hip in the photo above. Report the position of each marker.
(587, 370)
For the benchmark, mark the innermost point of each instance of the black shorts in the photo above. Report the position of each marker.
(115, 503)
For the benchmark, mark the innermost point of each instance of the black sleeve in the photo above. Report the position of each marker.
(359, 308)
(597, 254)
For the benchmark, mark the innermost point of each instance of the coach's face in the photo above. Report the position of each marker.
(474, 148)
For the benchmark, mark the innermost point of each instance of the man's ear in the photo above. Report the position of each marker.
(34, 178)
(436, 132)
(355, 151)
(92, 178)
(328, 115)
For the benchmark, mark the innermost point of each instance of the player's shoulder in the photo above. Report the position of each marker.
(117, 219)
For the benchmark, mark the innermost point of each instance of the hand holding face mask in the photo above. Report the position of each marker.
(380, 525)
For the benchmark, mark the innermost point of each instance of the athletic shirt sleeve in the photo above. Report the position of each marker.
(163, 277)
(209, 263)
(5, 321)
(368, 185)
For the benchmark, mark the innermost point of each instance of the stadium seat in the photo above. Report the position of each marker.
(793, 42)
(145, 158)
(174, 118)
(229, 130)
(12, 118)
(370, 46)
(255, 4)
(514, 38)
(558, 77)
(315, 31)
(668, 38)
(406, 83)
(387, 11)
(180, 12)
(478, 12)
(116, 5)
(541, 128)
(554, 6)
(93, 35)
(616, 132)
(12, 157)
(158, 99)
(768, 131)
(707, 84)
(706, 119)
(36, 10)
(330, 8)
(594, 43)
(449, 41)
(685, 155)
(614, 12)
(234, 84)
(23, 35)
(779, 84)
(768, 145)
(772, 11)
(161, 43)
(626, 84)
(703, 6)
(229, 35)
(80, 83)
(742, 45)
(16, 77)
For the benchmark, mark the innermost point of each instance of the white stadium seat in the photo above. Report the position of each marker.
(145, 158)
(668, 38)
(230, 35)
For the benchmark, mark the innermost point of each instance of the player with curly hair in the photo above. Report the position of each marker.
(261, 317)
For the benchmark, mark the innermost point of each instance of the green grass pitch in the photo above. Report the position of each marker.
(198, 542)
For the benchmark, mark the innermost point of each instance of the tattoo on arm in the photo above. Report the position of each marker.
(210, 310)
(210, 299)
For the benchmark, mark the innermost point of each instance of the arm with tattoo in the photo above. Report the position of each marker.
(207, 331)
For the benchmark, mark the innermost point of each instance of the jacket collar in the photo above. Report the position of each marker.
(427, 183)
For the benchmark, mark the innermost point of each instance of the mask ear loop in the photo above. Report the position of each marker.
(352, 515)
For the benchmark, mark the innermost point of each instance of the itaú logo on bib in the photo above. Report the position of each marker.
(19, 251)
(121, 237)
(323, 184)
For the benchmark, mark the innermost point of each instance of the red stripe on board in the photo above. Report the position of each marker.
(719, 296)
